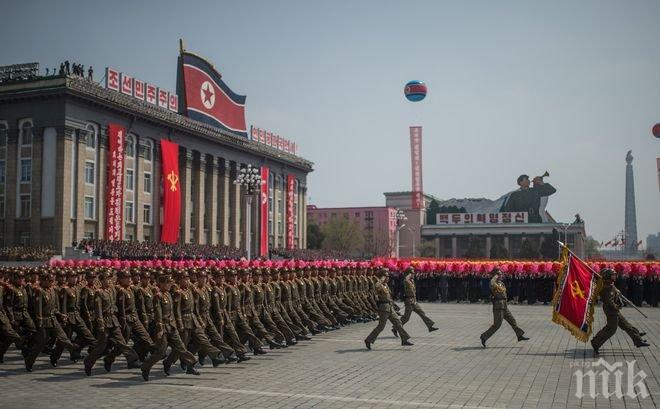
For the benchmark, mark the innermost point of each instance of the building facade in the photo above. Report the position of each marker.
(54, 163)
(378, 225)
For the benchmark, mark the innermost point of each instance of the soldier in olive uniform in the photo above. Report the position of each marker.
(238, 318)
(70, 306)
(190, 326)
(410, 302)
(386, 312)
(46, 315)
(221, 317)
(132, 327)
(144, 305)
(500, 310)
(612, 304)
(166, 333)
(203, 300)
(16, 326)
(108, 329)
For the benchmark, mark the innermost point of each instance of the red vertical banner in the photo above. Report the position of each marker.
(264, 212)
(114, 199)
(169, 232)
(290, 180)
(416, 160)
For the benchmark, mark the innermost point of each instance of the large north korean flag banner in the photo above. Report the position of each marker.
(208, 99)
(169, 232)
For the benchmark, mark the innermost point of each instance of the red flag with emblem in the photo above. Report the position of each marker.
(171, 192)
(576, 294)
(263, 236)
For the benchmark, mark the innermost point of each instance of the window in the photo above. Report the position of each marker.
(25, 206)
(147, 182)
(3, 135)
(25, 238)
(89, 173)
(130, 146)
(89, 208)
(146, 213)
(2, 171)
(88, 235)
(2, 206)
(26, 133)
(129, 179)
(148, 151)
(128, 237)
(91, 136)
(128, 212)
(26, 170)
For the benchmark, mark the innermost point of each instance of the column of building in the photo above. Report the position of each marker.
(185, 170)
(11, 185)
(35, 186)
(225, 194)
(199, 198)
(211, 199)
(81, 145)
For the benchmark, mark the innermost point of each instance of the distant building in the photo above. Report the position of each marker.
(378, 225)
(653, 243)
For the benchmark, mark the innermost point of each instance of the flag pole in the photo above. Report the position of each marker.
(599, 276)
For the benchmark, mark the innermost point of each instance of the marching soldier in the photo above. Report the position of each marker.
(385, 312)
(239, 320)
(70, 303)
(410, 302)
(247, 290)
(108, 329)
(222, 319)
(500, 310)
(203, 299)
(612, 304)
(132, 327)
(189, 326)
(17, 317)
(167, 333)
(46, 315)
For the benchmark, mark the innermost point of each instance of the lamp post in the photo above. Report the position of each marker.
(249, 178)
(400, 220)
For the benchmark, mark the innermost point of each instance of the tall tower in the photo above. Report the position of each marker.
(631, 213)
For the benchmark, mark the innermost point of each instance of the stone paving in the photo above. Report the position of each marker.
(445, 369)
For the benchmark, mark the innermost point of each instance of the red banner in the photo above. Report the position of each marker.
(171, 192)
(114, 199)
(416, 160)
(264, 211)
(575, 297)
(290, 179)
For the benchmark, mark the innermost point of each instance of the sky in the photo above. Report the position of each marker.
(514, 87)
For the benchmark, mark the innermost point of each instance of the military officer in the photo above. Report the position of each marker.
(386, 312)
(410, 302)
(500, 309)
(612, 304)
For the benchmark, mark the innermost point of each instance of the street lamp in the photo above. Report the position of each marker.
(249, 178)
(400, 224)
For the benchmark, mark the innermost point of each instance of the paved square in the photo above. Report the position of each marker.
(445, 369)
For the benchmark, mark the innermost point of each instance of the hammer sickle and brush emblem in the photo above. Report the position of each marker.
(173, 179)
(576, 291)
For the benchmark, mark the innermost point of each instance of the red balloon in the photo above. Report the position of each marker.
(656, 130)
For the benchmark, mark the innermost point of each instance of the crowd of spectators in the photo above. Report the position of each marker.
(309, 254)
(26, 253)
(149, 250)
